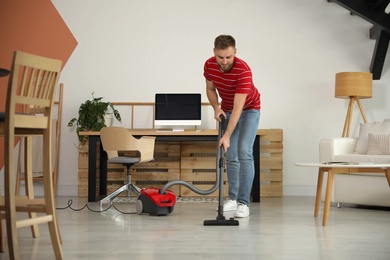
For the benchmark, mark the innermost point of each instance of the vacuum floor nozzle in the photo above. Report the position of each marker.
(221, 221)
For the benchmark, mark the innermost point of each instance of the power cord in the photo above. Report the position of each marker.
(70, 202)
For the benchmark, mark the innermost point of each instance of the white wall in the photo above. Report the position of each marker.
(129, 49)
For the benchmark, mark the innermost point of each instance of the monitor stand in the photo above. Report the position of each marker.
(177, 129)
(170, 130)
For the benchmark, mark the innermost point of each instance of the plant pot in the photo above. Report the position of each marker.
(108, 119)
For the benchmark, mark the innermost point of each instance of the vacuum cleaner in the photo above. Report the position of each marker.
(151, 201)
(160, 202)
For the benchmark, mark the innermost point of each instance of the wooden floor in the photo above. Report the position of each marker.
(280, 228)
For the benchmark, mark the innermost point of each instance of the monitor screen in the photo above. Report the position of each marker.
(177, 109)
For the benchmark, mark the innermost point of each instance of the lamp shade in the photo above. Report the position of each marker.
(353, 84)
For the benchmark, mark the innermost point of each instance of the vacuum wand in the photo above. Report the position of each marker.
(220, 219)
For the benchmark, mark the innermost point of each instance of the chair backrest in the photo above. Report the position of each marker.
(31, 87)
(116, 139)
(37, 152)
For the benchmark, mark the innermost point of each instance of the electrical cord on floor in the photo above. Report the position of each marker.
(70, 202)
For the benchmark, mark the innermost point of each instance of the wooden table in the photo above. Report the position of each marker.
(191, 135)
(339, 168)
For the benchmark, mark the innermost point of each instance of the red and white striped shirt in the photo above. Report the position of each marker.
(237, 81)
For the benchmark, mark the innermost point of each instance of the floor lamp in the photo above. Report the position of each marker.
(353, 85)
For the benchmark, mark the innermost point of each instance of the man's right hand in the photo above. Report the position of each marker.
(218, 113)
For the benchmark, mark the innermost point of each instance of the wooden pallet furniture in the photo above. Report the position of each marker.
(192, 162)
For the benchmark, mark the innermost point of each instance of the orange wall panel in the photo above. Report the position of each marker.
(35, 27)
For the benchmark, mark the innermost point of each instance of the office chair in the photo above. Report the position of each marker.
(118, 139)
(32, 83)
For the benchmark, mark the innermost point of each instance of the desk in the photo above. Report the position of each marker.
(333, 169)
(205, 135)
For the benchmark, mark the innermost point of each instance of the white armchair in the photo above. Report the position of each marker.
(334, 146)
(360, 188)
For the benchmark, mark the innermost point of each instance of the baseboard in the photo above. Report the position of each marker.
(72, 190)
(62, 190)
(299, 191)
(67, 190)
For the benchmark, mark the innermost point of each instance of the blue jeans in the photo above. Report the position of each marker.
(239, 157)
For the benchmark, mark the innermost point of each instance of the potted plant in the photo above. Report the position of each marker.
(92, 116)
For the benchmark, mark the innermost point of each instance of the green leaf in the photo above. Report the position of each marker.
(91, 116)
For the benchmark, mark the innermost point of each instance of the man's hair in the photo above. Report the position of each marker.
(224, 41)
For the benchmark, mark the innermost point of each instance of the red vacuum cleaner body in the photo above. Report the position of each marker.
(152, 202)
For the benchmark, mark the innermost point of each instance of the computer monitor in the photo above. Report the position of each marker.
(176, 110)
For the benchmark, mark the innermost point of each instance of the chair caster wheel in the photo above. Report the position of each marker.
(139, 207)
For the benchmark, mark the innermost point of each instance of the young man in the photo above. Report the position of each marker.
(230, 78)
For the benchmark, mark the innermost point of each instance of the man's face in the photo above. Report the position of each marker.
(225, 58)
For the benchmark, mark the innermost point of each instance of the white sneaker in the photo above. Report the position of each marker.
(242, 211)
(230, 205)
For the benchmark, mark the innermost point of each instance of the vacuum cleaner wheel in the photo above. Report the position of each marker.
(139, 207)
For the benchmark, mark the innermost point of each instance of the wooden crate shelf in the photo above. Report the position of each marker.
(193, 162)
(271, 163)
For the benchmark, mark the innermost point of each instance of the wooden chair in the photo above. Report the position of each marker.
(21, 173)
(118, 139)
(26, 161)
(31, 84)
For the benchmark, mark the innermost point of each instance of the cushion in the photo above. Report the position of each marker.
(378, 143)
(363, 158)
(366, 128)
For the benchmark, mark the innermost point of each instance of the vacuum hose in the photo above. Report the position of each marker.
(220, 166)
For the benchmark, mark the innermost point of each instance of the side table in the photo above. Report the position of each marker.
(339, 168)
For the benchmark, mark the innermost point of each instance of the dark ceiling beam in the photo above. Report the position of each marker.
(379, 56)
(373, 11)
(379, 5)
(367, 10)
